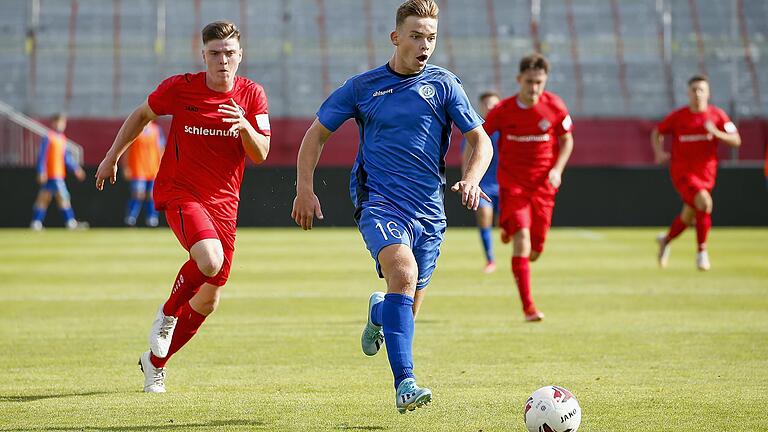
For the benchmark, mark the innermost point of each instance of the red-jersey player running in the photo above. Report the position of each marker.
(534, 145)
(218, 118)
(696, 129)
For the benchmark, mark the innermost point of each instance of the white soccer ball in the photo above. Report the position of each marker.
(552, 409)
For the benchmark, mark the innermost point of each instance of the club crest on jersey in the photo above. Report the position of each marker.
(544, 124)
(427, 91)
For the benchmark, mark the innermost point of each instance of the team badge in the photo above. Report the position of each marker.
(427, 91)
(544, 125)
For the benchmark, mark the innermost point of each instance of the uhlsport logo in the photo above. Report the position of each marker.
(427, 91)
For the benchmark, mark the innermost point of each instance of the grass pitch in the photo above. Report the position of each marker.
(642, 349)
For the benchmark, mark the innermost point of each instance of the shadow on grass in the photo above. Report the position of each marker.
(32, 398)
(255, 424)
(348, 427)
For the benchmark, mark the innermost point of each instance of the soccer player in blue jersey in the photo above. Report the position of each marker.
(486, 210)
(405, 110)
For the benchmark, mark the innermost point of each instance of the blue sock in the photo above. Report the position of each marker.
(38, 214)
(485, 236)
(149, 207)
(397, 321)
(376, 313)
(134, 207)
(68, 213)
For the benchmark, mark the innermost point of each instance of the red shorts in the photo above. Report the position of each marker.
(191, 222)
(533, 211)
(687, 186)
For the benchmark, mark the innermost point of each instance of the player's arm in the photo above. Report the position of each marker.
(306, 205)
(72, 165)
(730, 136)
(657, 144)
(566, 148)
(480, 154)
(42, 176)
(130, 129)
(465, 155)
(256, 145)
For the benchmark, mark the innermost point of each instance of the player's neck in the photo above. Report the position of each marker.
(698, 108)
(522, 103)
(400, 68)
(219, 86)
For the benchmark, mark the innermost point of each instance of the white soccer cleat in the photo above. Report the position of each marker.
(702, 261)
(373, 336)
(154, 377)
(664, 250)
(36, 225)
(161, 333)
(409, 396)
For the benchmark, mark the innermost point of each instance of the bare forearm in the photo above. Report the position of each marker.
(256, 145)
(731, 139)
(480, 154)
(566, 148)
(130, 129)
(657, 142)
(309, 155)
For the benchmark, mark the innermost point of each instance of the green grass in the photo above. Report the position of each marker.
(642, 349)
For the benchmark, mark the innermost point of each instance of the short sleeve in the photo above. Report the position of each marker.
(161, 101)
(668, 124)
(563, 124)
(459, 108)
(258, 112)
(724, 122)
(340, 106)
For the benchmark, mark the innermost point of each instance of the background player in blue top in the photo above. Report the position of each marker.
(405, 111)
(489, 184)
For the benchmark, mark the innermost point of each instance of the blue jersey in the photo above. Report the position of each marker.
(489, 183)
(405, 126)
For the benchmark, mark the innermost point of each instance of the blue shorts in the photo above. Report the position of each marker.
(142, 186)
(382, 226)
(494, 204)
(57, 186)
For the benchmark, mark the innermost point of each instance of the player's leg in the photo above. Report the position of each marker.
(515, 218)
(195, 230)
(138, 190)
(484, 216)
(683, 220)
(400, 270)
(541, 220)
(65, 204)
(152, 219)
(42, 201)
(703, 205)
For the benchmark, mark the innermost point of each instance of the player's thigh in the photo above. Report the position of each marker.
(703, 200)
(382, 227)
(426, 251)
(543, 207)
(484, 215)
(515, 213)
(61, 193)
(398, 266)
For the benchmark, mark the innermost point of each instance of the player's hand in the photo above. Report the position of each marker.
(661, 157)
(42, 178)
(233, 114)
(107, 171)
(711, 128)
(80, 174)
(305, 207)
(470, 194)
(555, 177)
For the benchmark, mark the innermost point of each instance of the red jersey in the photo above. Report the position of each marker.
(694, 150)
(203, 161)
(143, 158)
(528, 141)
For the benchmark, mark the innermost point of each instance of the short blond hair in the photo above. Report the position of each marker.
(417, 8)
(220, 30)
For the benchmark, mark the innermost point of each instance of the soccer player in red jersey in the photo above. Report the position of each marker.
(218, 119)
(534, 145)
(142, 162)
(695, 128)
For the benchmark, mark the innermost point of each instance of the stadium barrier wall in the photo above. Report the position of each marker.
(599, 142)
(588, 197)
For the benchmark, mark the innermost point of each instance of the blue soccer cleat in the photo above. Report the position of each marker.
(409, 396)
(373, 336)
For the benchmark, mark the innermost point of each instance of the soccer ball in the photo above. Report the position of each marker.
(552, 409)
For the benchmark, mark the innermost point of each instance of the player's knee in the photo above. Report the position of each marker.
(211, 262)
(521, 242)
(208, 305)
(534, 255)
(703, 201)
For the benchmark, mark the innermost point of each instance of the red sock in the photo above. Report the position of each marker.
(522, 272)
(186, 327)
(677, 228)
(186, 285)
(703, 224)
